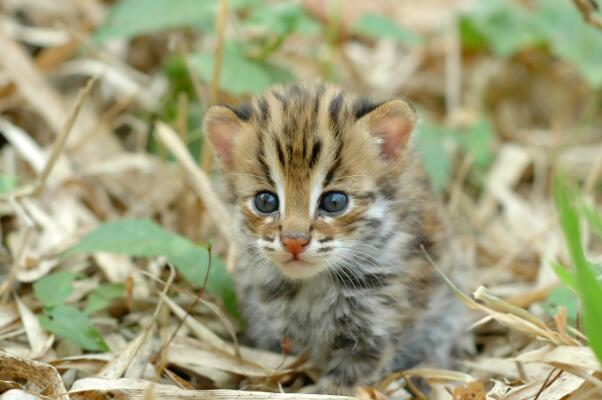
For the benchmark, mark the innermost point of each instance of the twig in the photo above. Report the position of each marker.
(200, 181)
(225, 322)
(581, 373)
(191, 307)
(550, 379)
(57, 147)
(59, 143)
(220, 25)
(459, 293)
(587, 8)
(413, 388)
(121, 362)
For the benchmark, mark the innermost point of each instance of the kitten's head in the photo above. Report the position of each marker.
(312, 171)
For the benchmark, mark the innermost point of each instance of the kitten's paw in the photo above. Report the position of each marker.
(330, 386)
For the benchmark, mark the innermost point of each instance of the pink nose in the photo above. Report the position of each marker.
(295, 243)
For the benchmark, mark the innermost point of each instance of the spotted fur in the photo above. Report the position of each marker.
(363, 301)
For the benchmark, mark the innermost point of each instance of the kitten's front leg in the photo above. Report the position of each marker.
(358, 357)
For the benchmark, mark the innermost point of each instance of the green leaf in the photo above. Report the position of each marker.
(567, 277)
(134, 17)
(569, 220)
(136, 237)
(7, 183)
(144, 238)
(70, 323)
(434, 157)
(477, 141)
(590, 289)
(240, 74)
(283, 18)
(571, 39)
(54, 289)
(378, 27)
(562, 297)
(102, 296)
(506, 28)
(594, 217)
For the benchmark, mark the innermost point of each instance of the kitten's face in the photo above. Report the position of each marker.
(310, 170)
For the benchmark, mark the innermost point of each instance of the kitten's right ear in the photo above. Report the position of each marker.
(222, 126)
(392, 122)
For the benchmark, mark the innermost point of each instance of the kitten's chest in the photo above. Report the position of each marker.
(310, 316)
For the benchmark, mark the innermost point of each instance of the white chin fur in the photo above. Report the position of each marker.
(299, 269)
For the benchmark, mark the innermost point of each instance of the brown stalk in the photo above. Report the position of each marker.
(57, 146)
(199, 179)
(59, 143)
(190, 308)
(220, 23)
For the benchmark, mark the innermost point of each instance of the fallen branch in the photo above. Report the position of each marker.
(199, 179)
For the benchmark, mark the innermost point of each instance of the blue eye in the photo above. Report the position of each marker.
(333, 202)
(266, 202)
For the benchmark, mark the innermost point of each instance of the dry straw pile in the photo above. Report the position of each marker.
(85, 138)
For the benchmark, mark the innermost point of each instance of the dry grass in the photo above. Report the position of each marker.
(82, 160)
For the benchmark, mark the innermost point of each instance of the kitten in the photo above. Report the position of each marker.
(334, 212)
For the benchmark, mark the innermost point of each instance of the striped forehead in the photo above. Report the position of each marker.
(299, 144)
(300, 137)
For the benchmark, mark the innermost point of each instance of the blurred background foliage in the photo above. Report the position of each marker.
(551, 55)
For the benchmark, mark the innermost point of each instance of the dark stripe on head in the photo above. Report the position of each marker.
(315, 153)
(280, 152)
(363, 106)
(334, 167)
(319, 94)
(295, 90)
(282, 100)
(335, 108)
(266, 171)
(243, 111)
(289, 127)
(262, 162)
(305, 138)
(264, 109)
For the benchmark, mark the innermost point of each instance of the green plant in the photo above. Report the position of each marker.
(62, 319)
(143, 238)
(377, 26)
(474, 140)
(584, 278)
(8, 183)
(506, 27)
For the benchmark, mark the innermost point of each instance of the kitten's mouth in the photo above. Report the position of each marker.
(297, 267)
(296, 260)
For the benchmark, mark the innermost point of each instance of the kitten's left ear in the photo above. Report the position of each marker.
(222, 125)
(393, 123)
